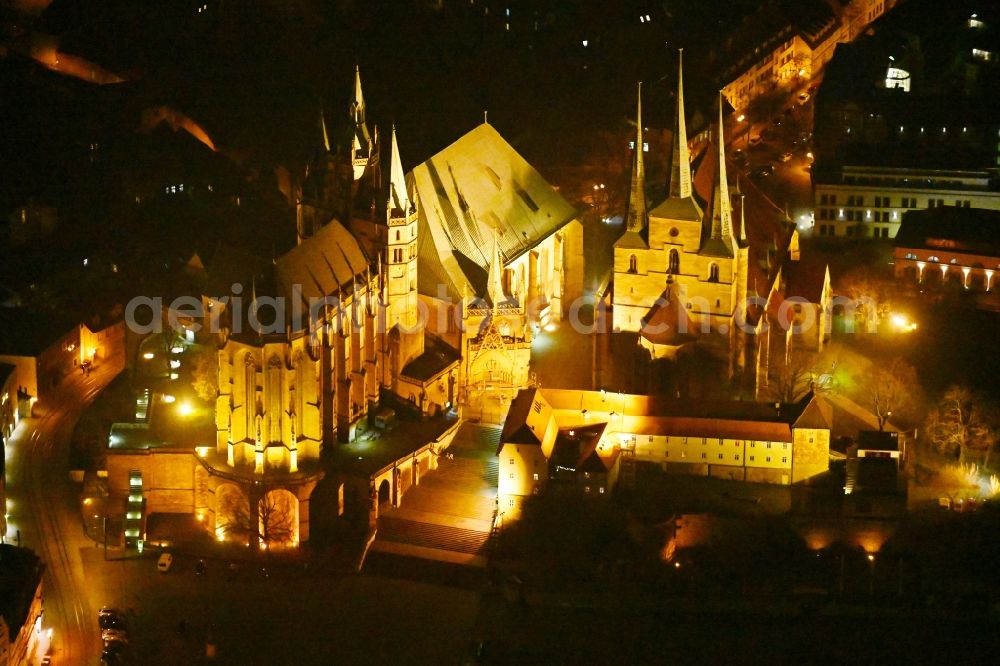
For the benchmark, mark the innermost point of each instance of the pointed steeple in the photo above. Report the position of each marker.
(322, 128)
(398, 199)
(357, 109)
(722, 224)
(680, 177)
(637, 214)
(494, 282)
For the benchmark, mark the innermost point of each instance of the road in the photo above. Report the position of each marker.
(45, 512)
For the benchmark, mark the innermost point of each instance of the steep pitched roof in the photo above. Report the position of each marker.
(515, 426)
(667, 322)
(475, 185)
(324, 264)
(805, 279)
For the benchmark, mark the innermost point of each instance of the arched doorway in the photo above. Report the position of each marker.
(278, 516)
(232, 514)
(384, 495)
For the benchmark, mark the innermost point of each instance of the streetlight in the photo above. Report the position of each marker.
(185, 408)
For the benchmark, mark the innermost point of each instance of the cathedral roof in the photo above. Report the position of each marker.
(677, 209)
(632, 240)
(667, 322)
(804, 279)
(475, 185)
(324, 264)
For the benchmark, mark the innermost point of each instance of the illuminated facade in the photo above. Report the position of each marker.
(949, 245)
(500, 253)
(743, 441)
(780, 47)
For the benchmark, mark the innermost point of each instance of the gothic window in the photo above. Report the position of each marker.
(300, 391)
(674, 262)
(397, 235)
(273, 398)
(713, 273)
(250, 394)
(632, 263)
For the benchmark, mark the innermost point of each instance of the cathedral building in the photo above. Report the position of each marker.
(685, 256)
(500, 254)
(431, 303)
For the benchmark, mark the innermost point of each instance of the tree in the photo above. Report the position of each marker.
(272, 523)
(790, 379)
(891, 388)
(869, 290)
(205, 373)
(963, 424)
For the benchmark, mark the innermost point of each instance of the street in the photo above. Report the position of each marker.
(46, 516)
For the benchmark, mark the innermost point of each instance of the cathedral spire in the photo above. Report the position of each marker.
(322, 127)
(495, 280)
(724, 228)
(680, 177)
(398, 199)
(637, 214)
(357, 109)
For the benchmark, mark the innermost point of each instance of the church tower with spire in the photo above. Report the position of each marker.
(406, 339)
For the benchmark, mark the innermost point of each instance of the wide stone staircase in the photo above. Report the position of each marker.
(448, 516)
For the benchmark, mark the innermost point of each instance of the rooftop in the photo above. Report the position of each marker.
(951, 228)
(24, 333)
(478, 185)
(375, 449)
(438, 356)
(20, 576)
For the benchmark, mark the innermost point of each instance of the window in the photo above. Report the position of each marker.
(511, 461)
(632, 263)
(535, 476)
(674, 262)
(767, 459)
(736, 457)
(704, 456)
(586, 489)
(512, 475)
(824, 199)
(751, 458)
(601, 489)
(397, 235)
(720, 456)
(784, 459)
(713, 273)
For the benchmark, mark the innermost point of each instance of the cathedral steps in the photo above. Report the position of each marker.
(448, 515)
(429, 535)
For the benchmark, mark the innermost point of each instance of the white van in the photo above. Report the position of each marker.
(163, 564)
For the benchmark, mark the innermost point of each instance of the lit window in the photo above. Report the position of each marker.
(535, 476)
(601, 489)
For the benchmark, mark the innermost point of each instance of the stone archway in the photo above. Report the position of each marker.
(384, 495)
(278, 518)
(232, 513)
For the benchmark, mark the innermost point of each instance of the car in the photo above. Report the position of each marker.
(804, 97)
(754, 140)
(786, 156)
(108, 610)
(776, 122)
(111, 621)
(763, 172)
(200, 567)
(739, 157)
(46, 660)
(114, 636)
(164, 563)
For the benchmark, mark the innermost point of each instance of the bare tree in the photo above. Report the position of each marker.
(891, 388)
(790, 379)
(870, 291)
(277, 518)
(963, 425)
(234, 509)
(272, 523)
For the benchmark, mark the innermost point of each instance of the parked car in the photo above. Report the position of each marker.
(754, 140)
(786, 156)
(164, 563)
(804, 97)
(739, 157)
(763, 172)
(114, 636)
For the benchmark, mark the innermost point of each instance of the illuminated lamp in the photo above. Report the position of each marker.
(149, 356)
